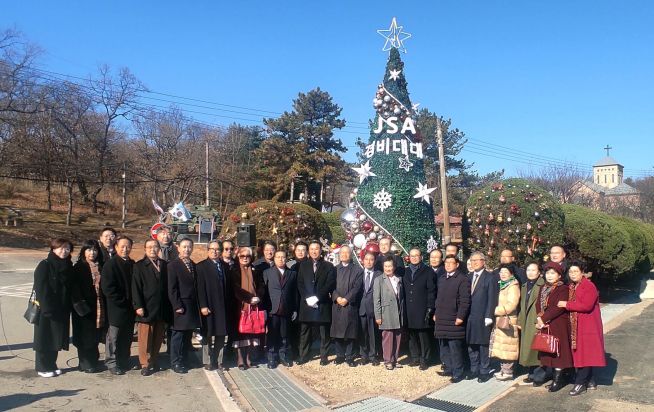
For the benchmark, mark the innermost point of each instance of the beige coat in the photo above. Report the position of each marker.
(506, 343)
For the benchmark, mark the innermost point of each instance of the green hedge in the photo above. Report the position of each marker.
(283, 223)
(333, 220)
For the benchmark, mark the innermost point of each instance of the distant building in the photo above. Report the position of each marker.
(607, 190)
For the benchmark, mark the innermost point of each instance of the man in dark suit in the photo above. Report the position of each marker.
(507, 258)
(153, 310)
(116, 286)
(419, 295)
(182, 292)
(107, 245)
(167, 249)
(266, 261)
(368, 336)
(436, 263)
(345, 311)
(213, 298)
(316, 282)
(300, 255)
(384, 252)
(281, 302)
(484, 294)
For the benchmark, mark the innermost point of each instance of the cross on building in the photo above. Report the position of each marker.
(607, 148)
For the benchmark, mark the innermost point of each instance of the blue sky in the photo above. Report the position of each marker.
(529, 82)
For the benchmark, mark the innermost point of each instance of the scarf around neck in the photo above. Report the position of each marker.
(505, 283)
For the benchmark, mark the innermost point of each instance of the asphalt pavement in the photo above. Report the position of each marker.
(22, 389)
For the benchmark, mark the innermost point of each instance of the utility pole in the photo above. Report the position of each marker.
(206, 170)
(441, 161)
(124, 194)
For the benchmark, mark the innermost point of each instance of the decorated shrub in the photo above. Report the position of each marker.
(512, 214)
(333, 220)
(283, 223)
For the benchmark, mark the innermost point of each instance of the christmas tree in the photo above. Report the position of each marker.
(392, 198)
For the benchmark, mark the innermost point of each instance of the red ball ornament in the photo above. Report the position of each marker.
(372, 247)
(366, 226)
(406, 259)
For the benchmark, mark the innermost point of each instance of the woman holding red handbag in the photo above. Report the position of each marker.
(249, 291)
(587, 336)
(555, 321)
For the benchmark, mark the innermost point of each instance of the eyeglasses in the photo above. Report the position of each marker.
(244, 256)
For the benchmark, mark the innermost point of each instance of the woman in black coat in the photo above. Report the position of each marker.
(52, 294)
(88, 329)
(249, 291)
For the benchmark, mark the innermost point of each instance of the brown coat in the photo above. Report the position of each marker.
(506, 343)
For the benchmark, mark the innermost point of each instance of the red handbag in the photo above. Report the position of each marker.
(544, 342)
(252, 321)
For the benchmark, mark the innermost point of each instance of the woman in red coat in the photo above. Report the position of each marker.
(586, 332)
(556, 322)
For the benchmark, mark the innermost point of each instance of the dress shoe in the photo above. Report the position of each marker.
(286, 363)
(324, 362)
(116, 371)
(456, 379)
(375, 362)
(46, 374)
(210, 367)
(472, 376)
(389, 366)
(423, 367)
(483, 377)
(444, 373)
(301, 361)
(558, 381)
(578, 390)
(58, 372)
(592, 385)
(504, 377)
(146, 371)
(527, 380)
(272, 365)
(179, 369)
(414, 363)
(222, 368)
(364, 361)
(351, 363)
(338, 360)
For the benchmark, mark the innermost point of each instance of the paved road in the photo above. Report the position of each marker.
(626, 384)
(21, 389)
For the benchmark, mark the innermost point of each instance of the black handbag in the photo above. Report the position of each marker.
(33, 312)
(81, 308)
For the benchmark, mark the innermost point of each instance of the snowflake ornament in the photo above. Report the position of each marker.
(432, 244)
(382, 200)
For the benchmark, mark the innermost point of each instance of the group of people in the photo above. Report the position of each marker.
(366, 310)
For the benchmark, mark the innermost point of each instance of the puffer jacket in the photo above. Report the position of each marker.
(506, 343)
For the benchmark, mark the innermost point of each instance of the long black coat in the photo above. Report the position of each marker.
(399, 263)
(419, 295)
(242, 296)
(104, 256)
(51, 286)
(150, 291)
(281, 292)
(367, 305)
(116, 284)
(349, 285)
(483, 301)
(452, 302)
(321, 284)
(213, 294)
(182, 292)
(85, 331)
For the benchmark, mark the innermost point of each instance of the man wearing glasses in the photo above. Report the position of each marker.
(228, 254)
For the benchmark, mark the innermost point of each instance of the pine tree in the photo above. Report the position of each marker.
(393, 198)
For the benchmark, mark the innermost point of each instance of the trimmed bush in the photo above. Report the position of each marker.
(283, 223)
(333, 220)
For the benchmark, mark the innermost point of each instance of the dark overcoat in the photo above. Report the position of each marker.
(150, 291)
(116, 284)
(399, 263)
(559, 325)
(243, 297)
(419, 296)
(85, 331)
(321, 284)
(182, 293)
(452, 302)
(213, 294)
(349, 285)
(281, 291)
(51, 286)
(483, 301)
(367, 305)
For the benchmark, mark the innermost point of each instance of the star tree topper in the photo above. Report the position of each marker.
(394, 36)
(364, 171)
(424, 192)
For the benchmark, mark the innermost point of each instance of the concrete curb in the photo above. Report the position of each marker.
(222, 394)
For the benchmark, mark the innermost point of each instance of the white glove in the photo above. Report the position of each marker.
(293, 316)
(488, 321)
(254, 300)
(312, 301)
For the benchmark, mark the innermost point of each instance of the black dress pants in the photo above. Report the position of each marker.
(307, 336)
(419, 345)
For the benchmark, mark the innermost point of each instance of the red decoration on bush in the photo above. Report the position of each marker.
(366, 226)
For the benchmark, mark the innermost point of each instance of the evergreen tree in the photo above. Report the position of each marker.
(393, 198)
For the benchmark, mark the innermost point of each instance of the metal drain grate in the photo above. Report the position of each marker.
(444, 406)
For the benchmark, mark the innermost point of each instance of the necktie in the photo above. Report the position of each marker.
(315, 266)
(475, 278)
(367, 280)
